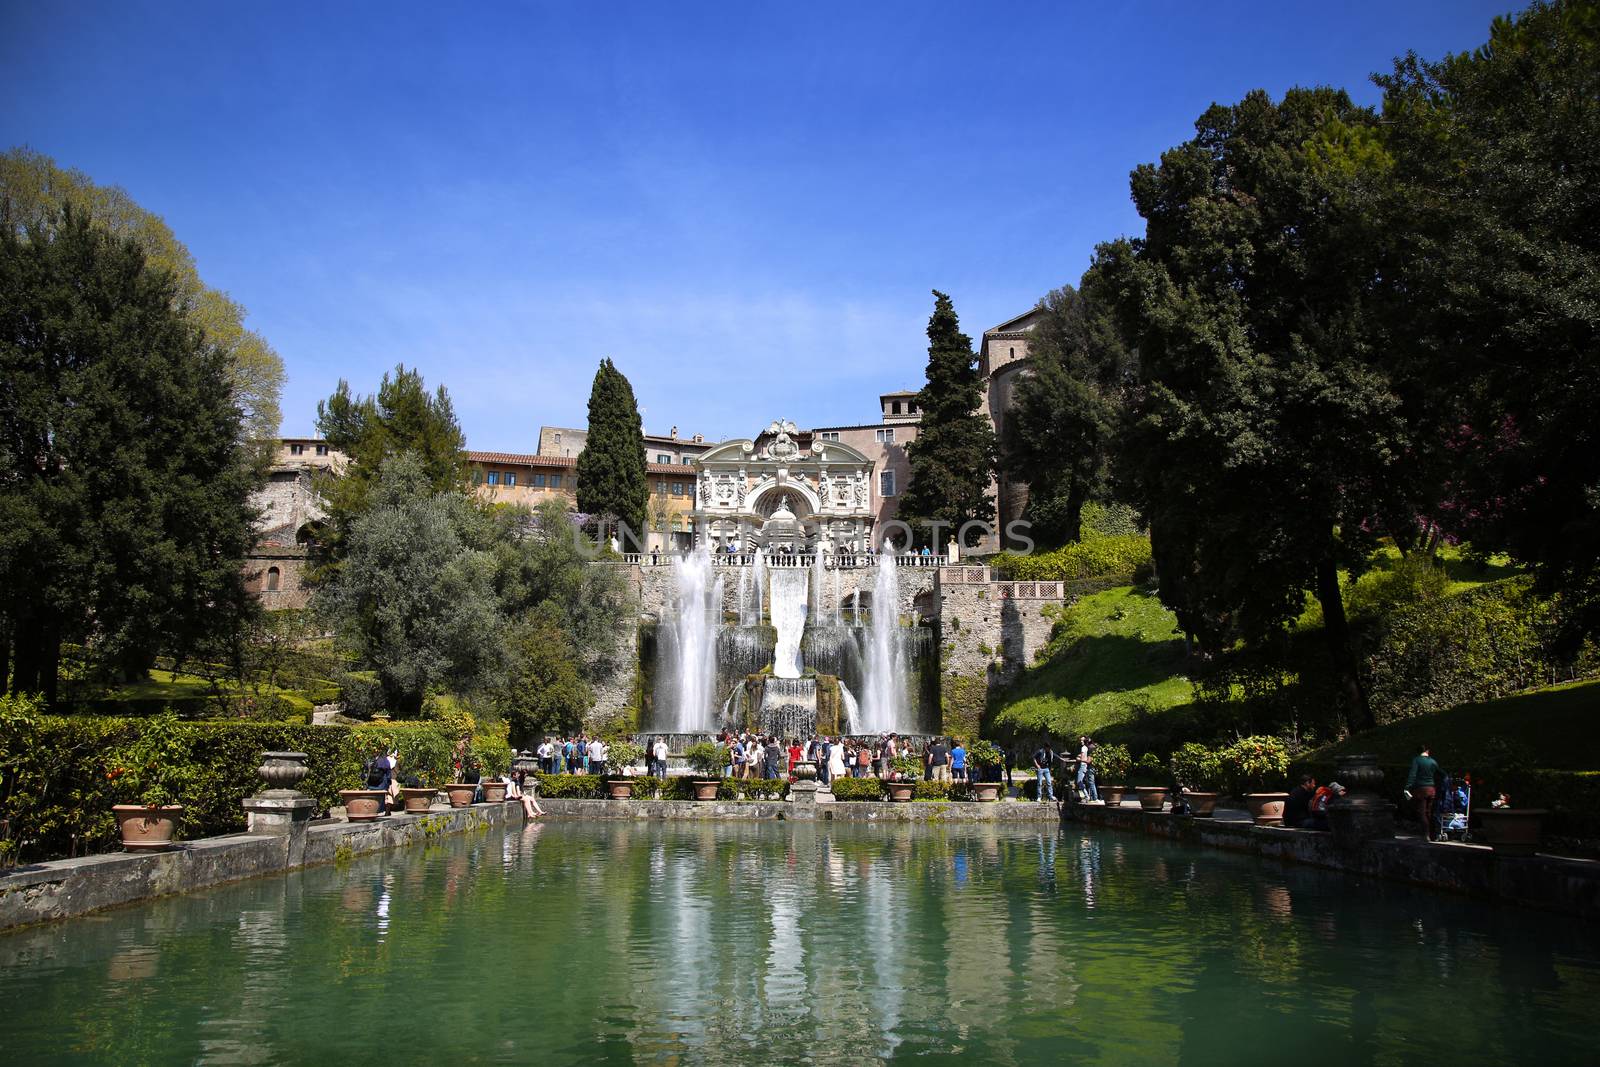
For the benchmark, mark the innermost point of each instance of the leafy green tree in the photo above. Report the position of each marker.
(33, 190)
(543, 689)
(1267, 435)
(1495, 286)
(402, 417)
(124, 477)
(1063, 424)
(953, 457)
(415, 596)
(611, 468)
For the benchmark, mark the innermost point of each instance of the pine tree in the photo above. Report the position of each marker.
(953, 457)
(124, 476)
(611, 468)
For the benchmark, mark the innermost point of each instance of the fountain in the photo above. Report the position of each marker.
(884, 705)
(690, 643)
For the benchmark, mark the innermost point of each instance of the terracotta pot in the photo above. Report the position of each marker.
(1203, 804)
(494, 792)
(461, 794)
(147, 829)
(418, 801)
(362, 805)
(1151, 797)
(1512, 831)
(622, 788)
(706, 788)
(1266, 808)
(1113, 794)
(984, 792)
(899, 792)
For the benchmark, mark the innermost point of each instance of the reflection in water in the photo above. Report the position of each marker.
(730, 943)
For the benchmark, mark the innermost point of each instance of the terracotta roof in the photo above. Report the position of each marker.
(522, 459)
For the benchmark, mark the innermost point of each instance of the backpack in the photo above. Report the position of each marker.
(377, 772)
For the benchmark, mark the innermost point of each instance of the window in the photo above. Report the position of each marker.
(661, 488)
(322, 450)
(677, 488)
(687, 461)
(894, 407)
(538, 481)
(829, 435)
(912, 408)
(555, 481)
(493, 477)
(296, 450)
(886, 436)
(477, 476)
(558, 439)
(511, 478)
(886, 484)
(274, 577)
(662, 457)
(1013, 353)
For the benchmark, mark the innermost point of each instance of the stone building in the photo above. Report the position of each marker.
(287, 507)
(1002, 362)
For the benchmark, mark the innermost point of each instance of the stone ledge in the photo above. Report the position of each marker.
(1549, 883)
(838, 811)
(61, 889)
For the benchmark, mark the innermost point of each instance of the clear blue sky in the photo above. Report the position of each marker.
(745, 206)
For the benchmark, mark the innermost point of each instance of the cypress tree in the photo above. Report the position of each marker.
(611, 468)
(953, 457)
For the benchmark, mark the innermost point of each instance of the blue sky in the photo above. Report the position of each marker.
(745, 206)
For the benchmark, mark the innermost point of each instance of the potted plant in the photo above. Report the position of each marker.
(1113, 765)
(707, 758)
(1258, 768)
(984, 758)
(903, 785)
(1198, 772)
(1511, 831)
(1149, 777)
(624, 756)
(153, 772)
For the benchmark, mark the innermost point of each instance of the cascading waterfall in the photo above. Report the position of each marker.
(838, 603)
(884, 704)
(855, 606)
(815, 615)
(691, 641)
(788, 618)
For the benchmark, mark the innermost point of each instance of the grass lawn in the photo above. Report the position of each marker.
(1555, 726)
(169, 685)
(1119, 654)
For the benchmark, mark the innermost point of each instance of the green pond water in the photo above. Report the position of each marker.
(721, 943)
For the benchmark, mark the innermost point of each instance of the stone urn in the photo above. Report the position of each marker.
(1201, 805)
(1113, 794)
(619, 788)
(705, 788)
(461, 794)
(362, 805)
(283, 770)
(494, 792)
(1362, 814)
(418, 801)
(525, 763)
(805, 771)
(1512, 831)
(899, 792)
(984, 792)
(147, 828)
(1266, 808)
(1151, 797)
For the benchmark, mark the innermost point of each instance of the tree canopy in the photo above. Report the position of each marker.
(612, 485)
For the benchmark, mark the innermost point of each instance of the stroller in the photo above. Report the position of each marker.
(1455, 808)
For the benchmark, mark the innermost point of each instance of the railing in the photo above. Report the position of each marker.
(830, 560)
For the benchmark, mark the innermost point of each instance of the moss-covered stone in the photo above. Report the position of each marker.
(963, 698)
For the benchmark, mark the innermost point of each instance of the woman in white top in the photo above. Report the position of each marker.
(835, 761)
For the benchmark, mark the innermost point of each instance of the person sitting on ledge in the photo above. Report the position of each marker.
(523, 788)
(1319, 805)
(1297, 809)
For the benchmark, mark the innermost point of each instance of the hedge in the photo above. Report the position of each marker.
(1124, 556)
(60, 783)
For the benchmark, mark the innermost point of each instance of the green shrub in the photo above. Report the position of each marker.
(857, 789)
(571, 786)
(985, 754)
(1148, 769)
(1195, 766)
(624, 754)
(707, 757)
(932, 791)
(1125, 556)
(1112, 764)
(757, 788)
(1254, 765)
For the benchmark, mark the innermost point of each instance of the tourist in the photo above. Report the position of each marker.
(1319, 805)
(736, 755)
(1044, 757)
(1085, 779)
(543, 753)
(863, 759)
(583, 751)
(380, 775)
(598, 751)
(938, 761)
(835, 760)
(794, 754)
(774, 757)
(659, 751)
(958, 760)
(1297, 809)
(1422, 786)
(521, 787)
(890, 751)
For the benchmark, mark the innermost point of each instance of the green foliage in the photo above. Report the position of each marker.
(612, 485)
(625, 754)
(571, 786)
(707, 757)
(1196, 767)
(953, 457)
(1122, 557)
(1254, 765)
(125, 513)
(1148, 769)
(35, 191)
(1110, 519)
(542, 691)
(983, 753)
(906, 766)
(1113, 763)
(157, 766)
(926, 790)
(857, 789)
